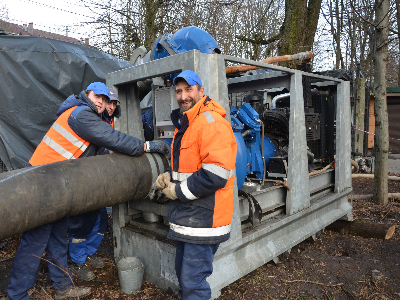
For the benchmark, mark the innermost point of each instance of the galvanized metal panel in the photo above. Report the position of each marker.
(343, 138)
(165, 99)
(123, 119)
(259, 82)
(262, 247)
(322, 180)
(257, 247)
(268, 199)
(298, 197)
(156, 68)
(148, 206)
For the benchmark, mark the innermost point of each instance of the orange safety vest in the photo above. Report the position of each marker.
(60, 143)
(208, 143)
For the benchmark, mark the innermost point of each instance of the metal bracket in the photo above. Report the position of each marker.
(255, 215)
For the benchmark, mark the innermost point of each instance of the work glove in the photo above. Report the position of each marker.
(169, 191)
(158, 146)
(156, 195)
(163, 180)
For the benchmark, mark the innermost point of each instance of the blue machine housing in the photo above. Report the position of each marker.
(246, 126)
(185, 39)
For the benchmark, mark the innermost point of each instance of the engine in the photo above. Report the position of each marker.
(262, 134)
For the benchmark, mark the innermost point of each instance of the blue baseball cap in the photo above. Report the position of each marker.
(113, 94)
(190, 77)
(99, 88)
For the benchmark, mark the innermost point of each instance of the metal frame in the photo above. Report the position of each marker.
(311, 204)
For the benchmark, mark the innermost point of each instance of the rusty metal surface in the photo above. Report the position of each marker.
(270, 60)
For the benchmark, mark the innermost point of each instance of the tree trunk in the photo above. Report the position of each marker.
(360, 114)
(150, 26)
(398, 35)
(337, 36)
(380, 107)
(364, 229)
(299, 26)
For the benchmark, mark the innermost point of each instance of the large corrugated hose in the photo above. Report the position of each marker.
(35, 196)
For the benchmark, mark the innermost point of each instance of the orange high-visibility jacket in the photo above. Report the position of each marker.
(203, 167)
(59, 143)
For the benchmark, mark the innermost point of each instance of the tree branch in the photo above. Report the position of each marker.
(313, 282)
(258, 41)
(369, 22)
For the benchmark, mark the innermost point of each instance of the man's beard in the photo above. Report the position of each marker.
(182, 110)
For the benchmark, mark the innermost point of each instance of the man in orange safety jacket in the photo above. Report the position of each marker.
(200, 184)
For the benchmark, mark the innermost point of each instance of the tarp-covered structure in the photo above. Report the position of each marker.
(36, 75)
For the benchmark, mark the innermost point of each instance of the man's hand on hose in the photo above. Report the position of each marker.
(169, 191)
(163, 180)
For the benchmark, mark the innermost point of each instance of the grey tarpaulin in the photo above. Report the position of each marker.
(36, 75)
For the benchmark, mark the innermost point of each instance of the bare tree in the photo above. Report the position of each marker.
(299, 26)
(381, 118)
(347, 23)
(3, 12)
(337, 13)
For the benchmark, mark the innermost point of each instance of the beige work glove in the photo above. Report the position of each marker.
(169, 191)
(163, 180)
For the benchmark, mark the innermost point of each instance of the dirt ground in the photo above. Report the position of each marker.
(335, 266)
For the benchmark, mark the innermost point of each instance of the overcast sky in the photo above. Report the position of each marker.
(51, 15)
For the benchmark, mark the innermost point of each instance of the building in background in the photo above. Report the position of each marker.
(15, 29)
(393, 109)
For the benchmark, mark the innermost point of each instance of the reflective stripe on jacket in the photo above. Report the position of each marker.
(203, 168)
(60, 142)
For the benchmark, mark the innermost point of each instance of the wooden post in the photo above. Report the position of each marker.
(360, 114)
(364, 229)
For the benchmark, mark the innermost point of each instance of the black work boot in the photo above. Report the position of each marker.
(72, 292)
(82, 271)
(95, 262)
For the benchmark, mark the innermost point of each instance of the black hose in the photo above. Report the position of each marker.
(35, 196)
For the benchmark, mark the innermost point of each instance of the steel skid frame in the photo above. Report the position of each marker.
(290, 216)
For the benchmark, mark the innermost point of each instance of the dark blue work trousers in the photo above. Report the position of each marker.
(193, 264)
(80, 251)
(51, 238)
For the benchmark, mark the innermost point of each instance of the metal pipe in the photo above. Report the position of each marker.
(245, 133)
(262, 150)
(310, 154)
(277, 97)
(244, 68)
(35, 196)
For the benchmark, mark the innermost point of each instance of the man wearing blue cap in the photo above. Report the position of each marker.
(113, 109)
(200, 184)
(86, 231)
(79, 131)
